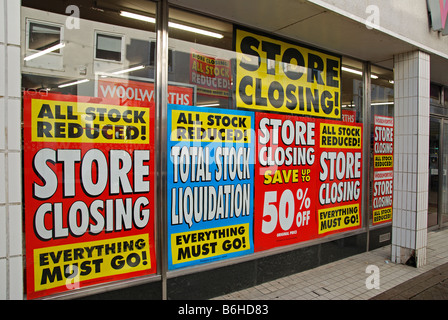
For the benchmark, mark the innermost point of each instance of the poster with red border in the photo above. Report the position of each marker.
(383, 169)
(308, 179)
(88, 188)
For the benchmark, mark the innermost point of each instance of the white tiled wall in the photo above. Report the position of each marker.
(411, 156)
(11, 246)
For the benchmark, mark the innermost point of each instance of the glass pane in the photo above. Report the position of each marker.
(435, 93)
(382, 125)
(444, 187)
(434, 155)
(289, 94)
(108, 47)
(43, 36)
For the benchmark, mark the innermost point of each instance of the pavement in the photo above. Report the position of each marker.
(367, 276)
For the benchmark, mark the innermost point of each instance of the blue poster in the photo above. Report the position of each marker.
(210, 184)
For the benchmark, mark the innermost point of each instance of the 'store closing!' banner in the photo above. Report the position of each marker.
(88, 169)
(210, 184)
(275, 75)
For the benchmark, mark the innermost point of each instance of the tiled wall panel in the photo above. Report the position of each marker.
(11, 245)
(410, 208)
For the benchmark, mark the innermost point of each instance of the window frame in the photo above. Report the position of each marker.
(44, 23)
(109, 34)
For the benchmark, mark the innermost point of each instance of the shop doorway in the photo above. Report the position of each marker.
(438, 172)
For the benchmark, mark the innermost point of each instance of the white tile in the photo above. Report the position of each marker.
(400, 200)
(14, 124)
(2, 232)
(423, 181)
(14, 177)
(398, 219)
(14, 75)
(399, 180)
(394, 231)
(405, 181)
(2, 68)
(413, 186)
(2, 121)
(412, 220)
(3, 280)
(16, 278)
(15, 230)
(421, 257)
(2, 18)
(418, 241)
(405, 219)
(403, 237)
(413, 237)
(400, 234)
(404, 165)
(424, 222)
(13, 22)
(397, 237)
(2, 178)
(408, 238)
(424, 201)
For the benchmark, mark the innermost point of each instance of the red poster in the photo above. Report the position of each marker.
(88, 187)
(383, 171)
(308, 178)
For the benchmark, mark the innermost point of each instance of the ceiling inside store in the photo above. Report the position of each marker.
(295, 19)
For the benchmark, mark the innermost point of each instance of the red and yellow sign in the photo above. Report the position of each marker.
(89, 168)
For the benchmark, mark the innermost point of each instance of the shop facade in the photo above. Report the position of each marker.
(185, 149)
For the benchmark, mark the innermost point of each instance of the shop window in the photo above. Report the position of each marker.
(92, 108)
(268, 98)
(108, 47)
(43, 36)
(435, 93)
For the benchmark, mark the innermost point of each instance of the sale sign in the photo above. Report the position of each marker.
(89, 183)
(307, 177)
(383, 175)
(210, 185)
(212, 76)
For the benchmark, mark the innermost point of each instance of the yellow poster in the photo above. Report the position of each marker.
(209, 243)
(274, 75)
(72, 264)
(337, 218)
(210, 127)
(68, 121)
